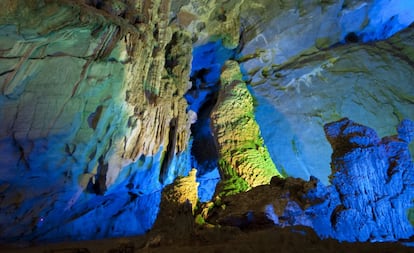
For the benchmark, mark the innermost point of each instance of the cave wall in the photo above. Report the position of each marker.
(94, 120)
(369, 83)
(327, 66)
(369, 198)
(289, 50)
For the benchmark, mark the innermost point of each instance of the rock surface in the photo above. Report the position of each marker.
(290, 52)
(211, 19)
(178, 202)
(94, 121)
(244, 161)
(375, 182)
(369, 199)
(289, 240)
(270, 33)
(372, 84)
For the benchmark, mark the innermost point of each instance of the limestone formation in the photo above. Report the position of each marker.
(95, 126)
(209, 20)
(370, 83)
(264, 206)
(318, 70)
(244, 160)
(293, 66)
(175, 221)
(372, 184)
(91, 104)
(375, 181)
(183, 191)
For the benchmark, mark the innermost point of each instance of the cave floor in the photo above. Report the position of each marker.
(224, 239)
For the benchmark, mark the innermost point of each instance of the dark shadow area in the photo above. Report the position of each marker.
(207, 62)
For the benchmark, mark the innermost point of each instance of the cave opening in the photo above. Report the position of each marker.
(207, 63)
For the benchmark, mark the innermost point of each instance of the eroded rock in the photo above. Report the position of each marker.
(94, 121)
(244, 160)
(369, 199)
(375, 182)
(368, 83)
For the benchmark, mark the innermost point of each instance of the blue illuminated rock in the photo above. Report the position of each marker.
(372, 84)
(207, 63)
(369, 199)
(375, 182)
(93, 120)
(299, 87)
(94, 123)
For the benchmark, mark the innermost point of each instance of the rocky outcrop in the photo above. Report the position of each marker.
(182, 192)
(291, 50)
(369, 83)
(208, 20)
(244, 160)
(274, 39)
(94, 123)
(175, 220)
(375, 182)
(293, 65)
(91, 105)
(369, 199)
(281, 202)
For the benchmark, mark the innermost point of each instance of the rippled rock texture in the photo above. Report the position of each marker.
(303, 78)
(93, 119)
(375, 181)
(370, 83)
(369, 199)
(244, 160)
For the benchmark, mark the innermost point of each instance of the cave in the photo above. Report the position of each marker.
(208, 60)
(206, 126)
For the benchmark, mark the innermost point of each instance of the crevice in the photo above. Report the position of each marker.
(203, 147)
(207, 64)
(171, 57)
(59, 54)
(23, 156)
(99, 187)
(170, 151)
(13, 73)
(10, 57)
(94, 117)
(6, 72)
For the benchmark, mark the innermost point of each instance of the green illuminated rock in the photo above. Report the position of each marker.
(244, 160)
